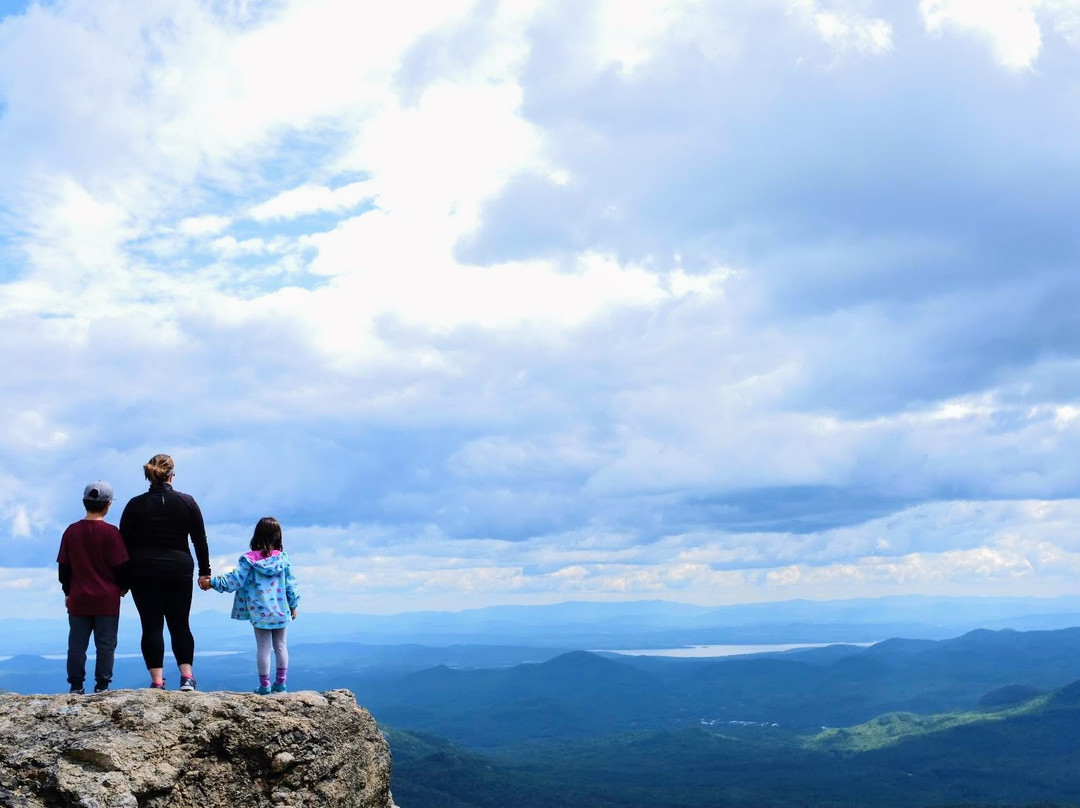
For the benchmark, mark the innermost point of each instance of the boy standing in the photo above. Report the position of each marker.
(93, 573)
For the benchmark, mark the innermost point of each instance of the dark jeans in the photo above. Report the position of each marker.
(104, 628)
(161, 600)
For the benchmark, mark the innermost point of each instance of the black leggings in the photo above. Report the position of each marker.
(159, 601)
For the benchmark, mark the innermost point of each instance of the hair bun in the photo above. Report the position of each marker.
(159, 469)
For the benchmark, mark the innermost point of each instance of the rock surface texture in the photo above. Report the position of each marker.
(151, 749)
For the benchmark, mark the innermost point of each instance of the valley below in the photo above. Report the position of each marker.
(990, 717)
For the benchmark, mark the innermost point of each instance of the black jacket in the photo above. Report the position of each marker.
(156, 526)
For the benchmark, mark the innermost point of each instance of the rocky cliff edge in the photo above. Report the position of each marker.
(151, 749)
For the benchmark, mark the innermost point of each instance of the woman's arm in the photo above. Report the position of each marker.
(197, 531)
(128, 527)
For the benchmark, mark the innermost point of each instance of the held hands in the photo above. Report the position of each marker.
(204, 582)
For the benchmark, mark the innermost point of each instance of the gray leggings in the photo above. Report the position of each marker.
(265, 638)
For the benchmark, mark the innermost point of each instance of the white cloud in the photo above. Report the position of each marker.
(501, 457)
(627, 32)
(432, 163)
(1012, 547)
(207, 225)
(312, 199)
(379, 265)
(230, 247)
(866, 37)
(31, 430)
(74, 235)
(1010, 26)
(20, 524)
(845, 30)
(36, 590)
(1066, 18)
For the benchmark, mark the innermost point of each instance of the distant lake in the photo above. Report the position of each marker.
(725, 650)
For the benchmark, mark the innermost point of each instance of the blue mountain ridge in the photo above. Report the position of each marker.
(615, 625)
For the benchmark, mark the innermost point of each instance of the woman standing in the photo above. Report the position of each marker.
(156, 527)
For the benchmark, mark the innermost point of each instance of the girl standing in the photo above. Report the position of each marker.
(266, 594)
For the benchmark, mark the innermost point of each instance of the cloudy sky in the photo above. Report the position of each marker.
(523, 301)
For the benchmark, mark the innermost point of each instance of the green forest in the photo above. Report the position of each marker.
(1025, 755)
(541, 734)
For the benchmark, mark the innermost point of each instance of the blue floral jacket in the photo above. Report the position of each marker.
(265, 589)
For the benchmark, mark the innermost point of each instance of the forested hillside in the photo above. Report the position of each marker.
(1027, 755)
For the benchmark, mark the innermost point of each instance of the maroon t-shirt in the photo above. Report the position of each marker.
(92, 547)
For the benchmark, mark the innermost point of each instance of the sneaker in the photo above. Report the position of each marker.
(158, 685)
(101, 687)
(279, 687)
(77, 690)
(262, 690)
(187, 683)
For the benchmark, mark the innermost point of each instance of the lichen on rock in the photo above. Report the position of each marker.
(151, 749)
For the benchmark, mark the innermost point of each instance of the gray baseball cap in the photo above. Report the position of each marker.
(98, 491)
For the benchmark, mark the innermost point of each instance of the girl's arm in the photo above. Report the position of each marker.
(231, 581)
(292, 589)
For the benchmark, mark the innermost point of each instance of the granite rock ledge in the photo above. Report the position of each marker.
(151, 749)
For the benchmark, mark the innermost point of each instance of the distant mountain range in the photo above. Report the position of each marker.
(579, 694)
(622, 625)
(483, 698)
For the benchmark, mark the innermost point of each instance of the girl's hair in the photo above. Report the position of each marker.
(159, 469)
(267, 536)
